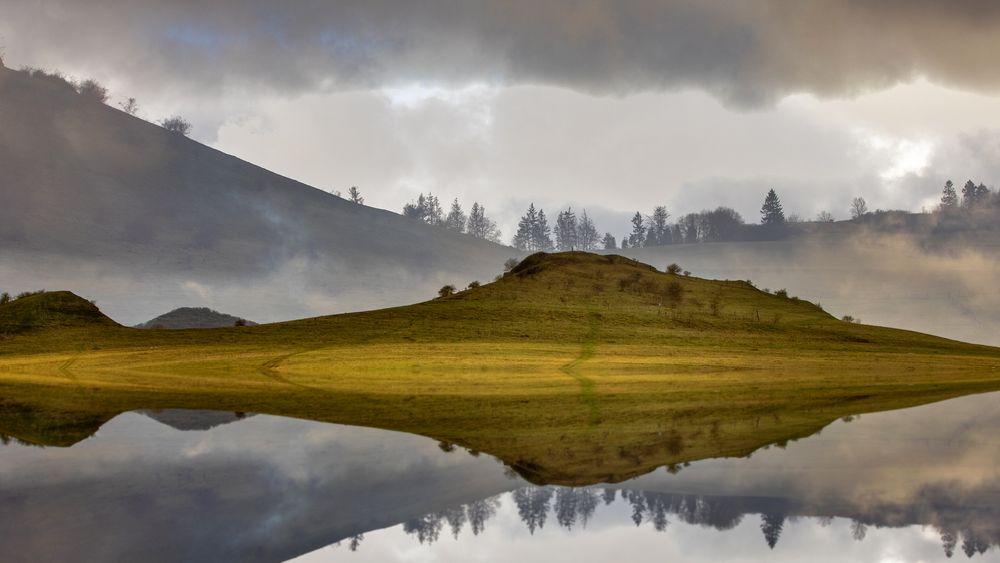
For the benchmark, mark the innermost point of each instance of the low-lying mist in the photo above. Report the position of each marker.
(297, 288)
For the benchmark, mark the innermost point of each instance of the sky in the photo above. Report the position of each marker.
(606, 106)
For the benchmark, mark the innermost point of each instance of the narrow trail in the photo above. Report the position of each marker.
(64, 368)
(269, 369)
(588, 393)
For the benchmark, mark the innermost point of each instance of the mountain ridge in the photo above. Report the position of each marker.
(116, 206)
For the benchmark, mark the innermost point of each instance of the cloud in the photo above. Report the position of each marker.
(747, 54)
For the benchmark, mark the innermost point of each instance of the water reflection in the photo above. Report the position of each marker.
(666, 527)
(575, 508)
(917, 484)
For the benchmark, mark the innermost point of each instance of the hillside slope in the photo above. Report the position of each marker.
(121, 209)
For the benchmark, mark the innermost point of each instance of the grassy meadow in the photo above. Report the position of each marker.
(573, 368)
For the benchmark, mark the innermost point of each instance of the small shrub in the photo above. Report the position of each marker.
(849, 319)
(176, 124)
(473, 285)
(446, 291)
(240, 322)
(687, 273)
(783, 293)
(673, 269)
(92, 90)
(510, 264)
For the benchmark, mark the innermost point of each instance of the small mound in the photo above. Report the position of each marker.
(50, 309)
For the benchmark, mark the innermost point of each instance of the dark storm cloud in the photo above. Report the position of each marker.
(747, 53)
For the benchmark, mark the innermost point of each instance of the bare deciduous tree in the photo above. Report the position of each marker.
(858, 207)
(130, 106)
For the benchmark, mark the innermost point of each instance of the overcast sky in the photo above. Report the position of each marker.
(610, 106)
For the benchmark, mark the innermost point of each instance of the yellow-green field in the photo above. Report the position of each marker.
(574, 368)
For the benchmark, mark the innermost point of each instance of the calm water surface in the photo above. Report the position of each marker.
(920, 484)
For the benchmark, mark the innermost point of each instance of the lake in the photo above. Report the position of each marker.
(920, 484)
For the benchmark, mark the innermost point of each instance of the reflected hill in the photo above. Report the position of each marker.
(930, 467)
(271, 488)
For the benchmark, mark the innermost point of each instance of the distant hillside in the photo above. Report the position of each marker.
(107, 204)
(193, 317)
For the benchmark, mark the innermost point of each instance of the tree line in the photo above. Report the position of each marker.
(576, 507)
(572, 233)
(427, 209)
(974, 196)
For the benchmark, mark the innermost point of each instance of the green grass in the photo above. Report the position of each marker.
(574, 368)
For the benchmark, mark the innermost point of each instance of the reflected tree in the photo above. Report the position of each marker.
(427, 528)
(479, 512)
(575, 505)
(973, 544)
(858, 530)
(533, 506)
(456, 518)
(949, 540)
(638, 502)
(771, 525)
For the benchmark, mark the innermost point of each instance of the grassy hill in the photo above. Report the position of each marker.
(50, 310)
(193, 317)
(142, 219)
(573, 368)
